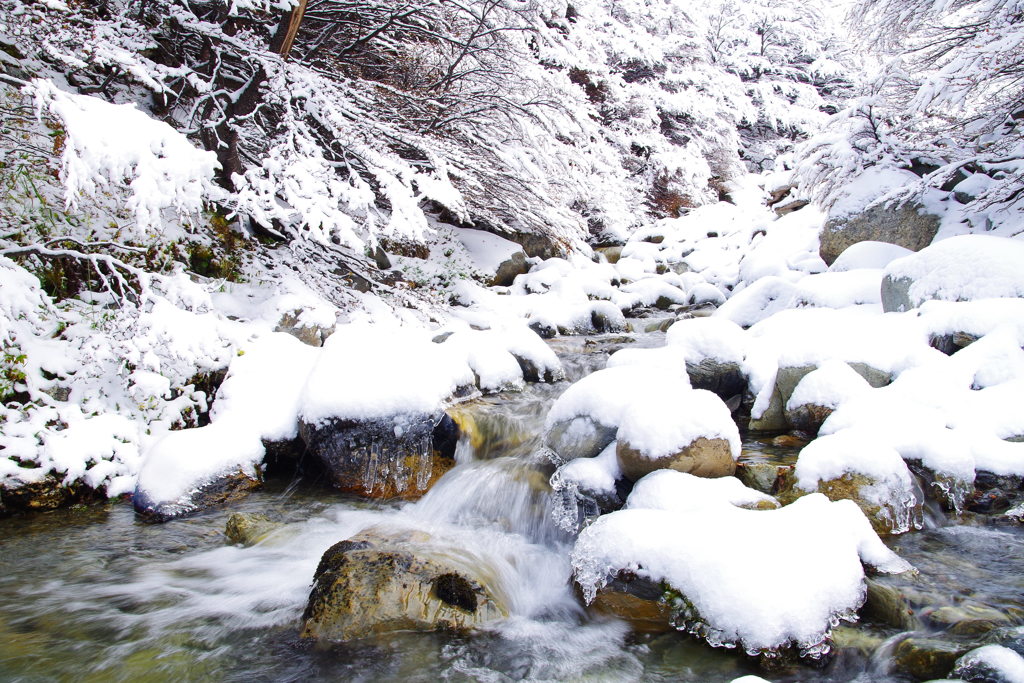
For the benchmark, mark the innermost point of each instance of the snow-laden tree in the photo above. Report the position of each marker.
(946, 104)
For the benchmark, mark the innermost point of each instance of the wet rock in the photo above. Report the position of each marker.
(721, 378)
(772, 420)
(949, 492)
(307, 333)
(580, 437)
(224, 489)
(898, 512)
(703, 457)
(765, 477)
(906, 225)
(384, 580)
(395, 456)
(249, 528)
(639, 602)
(887, 604)
(927, 658)
(508, 269)
(544, 329)
(989, 502)
(807, 417)
(49, 493)
(967, 619)
(534, 373)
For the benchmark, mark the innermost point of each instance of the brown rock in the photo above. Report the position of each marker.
(702, 458)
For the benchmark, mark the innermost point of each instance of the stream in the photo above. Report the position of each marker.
(93, 594)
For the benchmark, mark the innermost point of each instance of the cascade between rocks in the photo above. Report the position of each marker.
(176, 602)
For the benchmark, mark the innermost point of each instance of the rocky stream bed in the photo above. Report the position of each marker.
(95, 593)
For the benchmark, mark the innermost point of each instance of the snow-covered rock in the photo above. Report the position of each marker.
(585, 418)
(688, 430)
(962, 268)
(853, 465)
(758, 579)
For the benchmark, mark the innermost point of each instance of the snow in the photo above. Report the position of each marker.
(830, 385)
(868, 254)
(1007, 664)
(606, 395)
(107, 143)
(699, 338)
(593, 475)
(963, 268)
(808, 558)
(868, 187)
(487, 251)
(183, 461)
(387, 371)
(667, 418)
(682, 492)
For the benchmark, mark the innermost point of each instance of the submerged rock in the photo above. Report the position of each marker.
(384, 580)
(396, 456)
(249, 528)
(926, 659)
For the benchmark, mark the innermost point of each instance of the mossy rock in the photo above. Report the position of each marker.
(384, 580)
(249, 528)
(926, 659)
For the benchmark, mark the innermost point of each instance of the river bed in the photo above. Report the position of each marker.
(94, 594)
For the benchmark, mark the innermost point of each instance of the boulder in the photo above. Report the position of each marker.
(722, 378)
(961, 268)
(508, 269)
(385, 580)
(399, 456)
(702, 457)
(906, 225)
(893, 514)
(579, 437)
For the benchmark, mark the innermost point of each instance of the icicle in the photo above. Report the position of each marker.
(372, 466)
(424, 463)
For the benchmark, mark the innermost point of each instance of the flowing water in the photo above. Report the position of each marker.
(92, 594)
